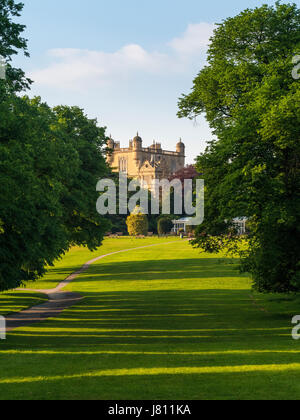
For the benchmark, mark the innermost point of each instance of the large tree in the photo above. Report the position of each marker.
(50, 163)
(252, 169)
(11, 43)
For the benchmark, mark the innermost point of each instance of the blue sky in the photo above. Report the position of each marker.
(125, 62)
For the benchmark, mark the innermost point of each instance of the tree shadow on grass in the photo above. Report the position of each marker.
(150, 270)
(160, 270)
(173, 313)
(201, 314)
(161, 317)
(144, 330)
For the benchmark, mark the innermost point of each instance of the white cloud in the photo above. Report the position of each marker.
(195, 38)
(84, 66)
(77, 69)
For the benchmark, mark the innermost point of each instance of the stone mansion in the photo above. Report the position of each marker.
(145, 163)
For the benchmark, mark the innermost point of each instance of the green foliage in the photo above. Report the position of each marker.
(164, 225)
(190, 229)
(51, 160)
(252, 104)
(137, 224)
(50, 163)
(118, 221)
(11, 42)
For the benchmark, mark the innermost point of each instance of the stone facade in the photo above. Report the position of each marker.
(145, 163)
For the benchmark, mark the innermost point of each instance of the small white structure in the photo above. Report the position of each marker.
(2, 68)
(2, 328)
(240, 225)
(180, 224)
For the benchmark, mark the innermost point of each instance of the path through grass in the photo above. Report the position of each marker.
(157, 323)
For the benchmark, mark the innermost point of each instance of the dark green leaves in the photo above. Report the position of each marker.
(253, 170)
(50, 164)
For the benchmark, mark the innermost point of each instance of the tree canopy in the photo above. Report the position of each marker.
(50, 163)
(252, 104)
(11, 43)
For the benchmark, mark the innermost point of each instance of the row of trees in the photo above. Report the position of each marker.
(252, 104)
(51, 160)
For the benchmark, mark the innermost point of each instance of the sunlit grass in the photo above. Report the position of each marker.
(78, 256)
(11, 302)
(158, 371)
(156, 323)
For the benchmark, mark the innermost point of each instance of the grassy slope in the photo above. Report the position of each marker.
(73, 260)
(17, 301)
(158, 323)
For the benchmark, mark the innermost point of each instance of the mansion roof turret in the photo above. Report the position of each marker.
(146, 163)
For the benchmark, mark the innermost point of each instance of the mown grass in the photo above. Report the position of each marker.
(11, 302)
(158, 323)
(78, 256)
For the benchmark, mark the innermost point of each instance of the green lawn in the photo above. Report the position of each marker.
(11, 302)
(72, 261)
(156, 323)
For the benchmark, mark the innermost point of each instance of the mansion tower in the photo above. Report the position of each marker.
(145, 163)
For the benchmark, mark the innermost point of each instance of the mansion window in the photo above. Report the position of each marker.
(123, 165)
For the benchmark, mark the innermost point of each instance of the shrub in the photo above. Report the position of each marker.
(190, 229)
(164, 226)
(137, 224)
